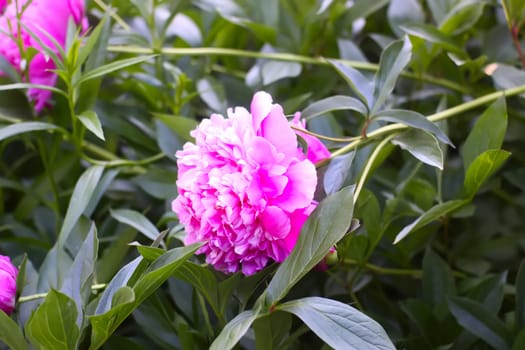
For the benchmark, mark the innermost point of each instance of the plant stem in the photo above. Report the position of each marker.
(447, 113)
(32, 297)
(286, 57)
(368, 166)
(394, 271)
(515, 31)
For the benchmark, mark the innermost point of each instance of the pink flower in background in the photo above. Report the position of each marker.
(43, 18)
(317, 151)
(8, 274)
(245, 187)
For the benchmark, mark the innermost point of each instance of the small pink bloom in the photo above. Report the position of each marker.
(43, 18)
(8, 274)
(317, 151)
(245, 187)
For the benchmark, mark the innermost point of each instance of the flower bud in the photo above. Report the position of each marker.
(8, 274)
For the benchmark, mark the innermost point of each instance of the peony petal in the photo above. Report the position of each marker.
(276, 129)
(299, 193)
(260, 108)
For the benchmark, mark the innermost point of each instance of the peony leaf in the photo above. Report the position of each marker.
(422, 145)
(137, 221)
(475, 318)
(392, 62)
(11, 334)
(104, 324)
(234, 330)
(329, 222)
(80, 199)
(53, 324)
(412, 119)
(339, 325)
(360, 85)
(334, 103)
(488, 132)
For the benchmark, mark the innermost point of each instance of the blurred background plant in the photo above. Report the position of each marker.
(436, 257)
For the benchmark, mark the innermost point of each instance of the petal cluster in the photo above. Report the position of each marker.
(8, 275)
(41, 22)
(245, 187)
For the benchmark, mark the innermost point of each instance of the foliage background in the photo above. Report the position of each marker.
(454, 282)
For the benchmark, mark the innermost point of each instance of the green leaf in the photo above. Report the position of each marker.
(359, 84)
(516, 11)
(11, 334)
(413, 119)
(136, 220)
(401, 12)
(505, 76)
(272, 71)
(119, 280)
(77, 282)
(234, 330)
(202, 279)
(88, 46)
(438, 283)
(149, 253)
(182, 126)
(20, 128)
(363, 9)
(23, 86)
(433, 35)
(90, 120)
(488, 132)
(391, 64)
(482, 168)
(329, 222)
(53, 324)
(212, 93)
(80, 198)
(95, 48)
(337, 172)
(112, 67)
(422, 145)
(271, 331)
(339, 325)
(334, 103)
(104, 324)
(479, 321)
(520, 296)
(462, 16)
(519, 340)
(430, 215)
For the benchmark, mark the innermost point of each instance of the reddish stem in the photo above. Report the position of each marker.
(515, 30)
(365, 126)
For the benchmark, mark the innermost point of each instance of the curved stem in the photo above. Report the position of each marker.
(447, 113)
(32, 297)
(277, 56)
(368, 166)
(323, 137)
(394, 271)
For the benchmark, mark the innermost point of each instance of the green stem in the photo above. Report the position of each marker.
(113, 14)
(286, 57)
(394, 271)
(447, 113)
(32, 297)
(368, 166)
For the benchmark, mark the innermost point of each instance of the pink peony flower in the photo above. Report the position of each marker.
(8, 274)
(44, 18)
(245, 187)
